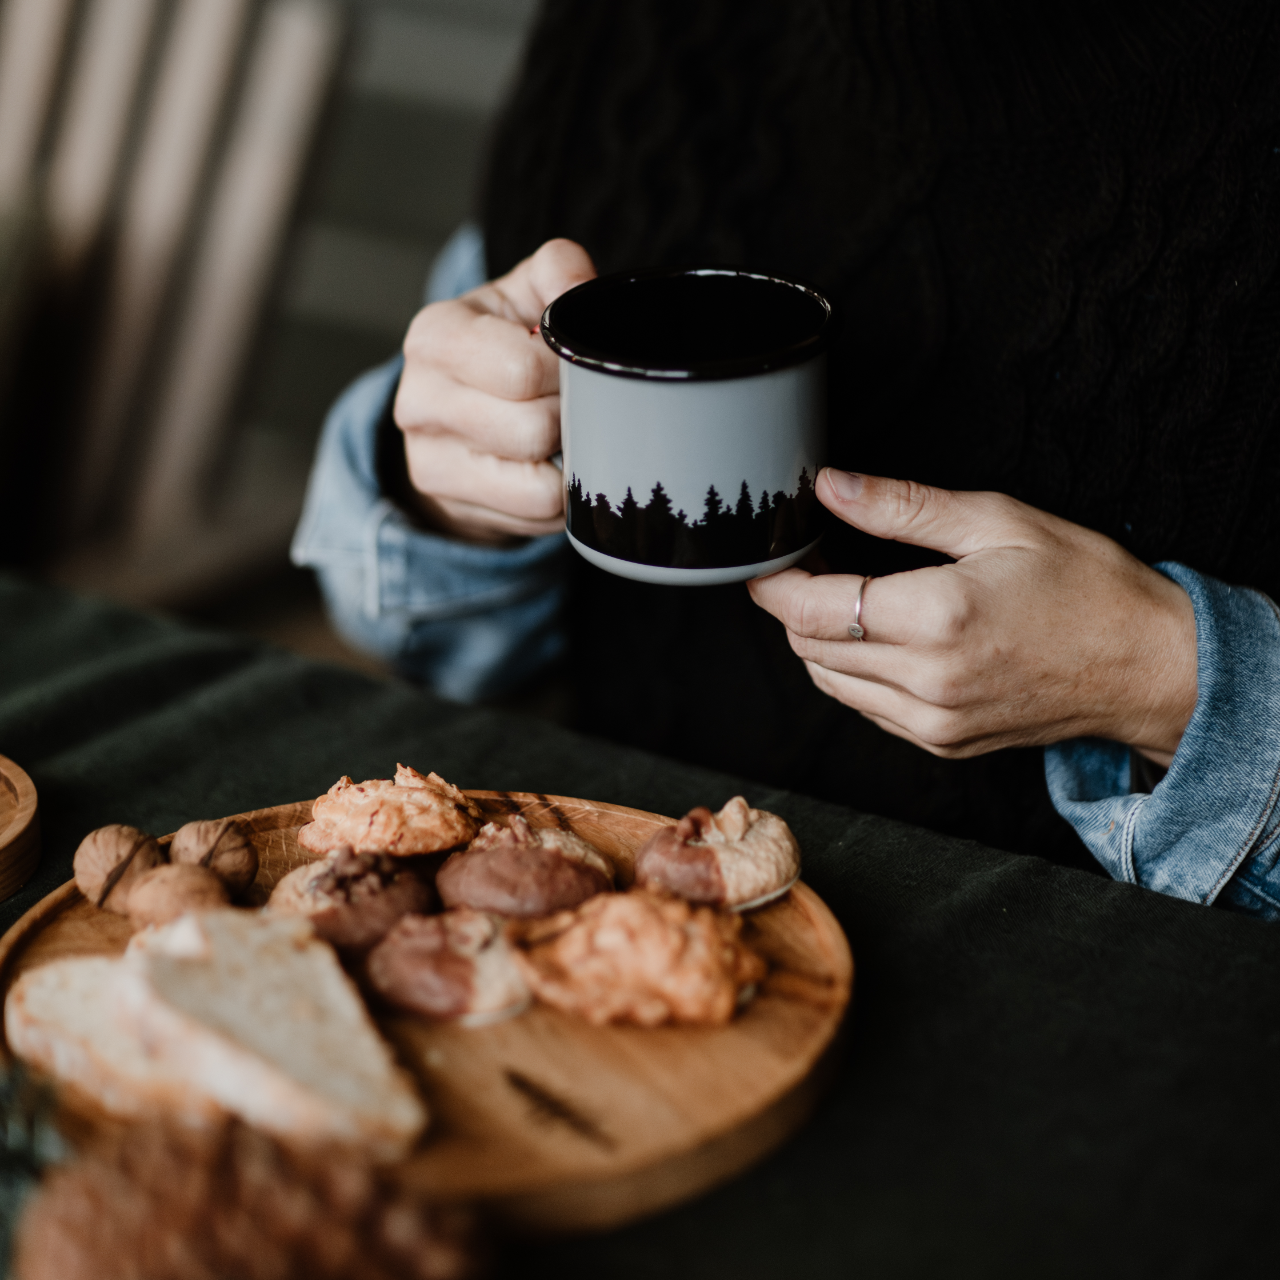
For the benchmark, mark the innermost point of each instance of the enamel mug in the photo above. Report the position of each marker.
(692, 421)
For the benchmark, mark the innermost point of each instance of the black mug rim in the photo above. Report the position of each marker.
(783, 357)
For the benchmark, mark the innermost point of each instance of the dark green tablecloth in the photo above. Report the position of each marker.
(1047, 1074)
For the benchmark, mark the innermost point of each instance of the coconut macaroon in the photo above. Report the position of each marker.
(519, 870)
(455, 965)
(410, 814)
(352, 899)
(639, 957)
(739, 857)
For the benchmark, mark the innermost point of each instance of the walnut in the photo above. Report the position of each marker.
(166, 892)
(222, 845)
(110, 859)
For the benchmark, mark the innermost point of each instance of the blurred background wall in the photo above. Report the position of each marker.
(213, 215)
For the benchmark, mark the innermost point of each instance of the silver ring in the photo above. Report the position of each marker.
(856, 629)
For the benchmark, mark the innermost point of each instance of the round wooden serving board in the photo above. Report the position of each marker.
(19, 828)
(553, 1123)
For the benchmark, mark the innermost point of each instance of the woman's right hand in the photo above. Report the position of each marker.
(479, 403)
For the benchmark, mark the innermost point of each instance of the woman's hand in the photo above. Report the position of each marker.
(479, 403)
(1040, 631)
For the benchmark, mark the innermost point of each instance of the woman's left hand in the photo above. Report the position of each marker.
(1041, 630)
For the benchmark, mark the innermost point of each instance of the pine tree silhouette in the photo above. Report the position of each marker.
(659, 504)
(740, 528)
(657, 528)
(784, 536)
(628, 528)
(808, 510)
(712, 513)
(605, 523)
(763, 523)
(578, 516)
(743, 534)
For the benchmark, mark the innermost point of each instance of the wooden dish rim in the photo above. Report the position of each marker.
(16, 776)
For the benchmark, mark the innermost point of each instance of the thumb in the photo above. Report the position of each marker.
(955, 523)
(532, 285)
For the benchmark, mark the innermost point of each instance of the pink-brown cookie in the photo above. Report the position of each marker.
(639, 957)
(411, 814)
(352, 899)
(519, 870)
(457, 965)
(739, 857)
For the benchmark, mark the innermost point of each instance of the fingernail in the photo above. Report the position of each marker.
(847, 484)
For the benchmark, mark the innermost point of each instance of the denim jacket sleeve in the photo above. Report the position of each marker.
(1210, 829)
(470, 621)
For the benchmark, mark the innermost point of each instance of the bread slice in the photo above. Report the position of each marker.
(257, 1012)
(229, 1008)
(64, 1019)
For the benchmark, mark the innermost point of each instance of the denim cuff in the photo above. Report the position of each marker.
(349, 526)
(1217, 804)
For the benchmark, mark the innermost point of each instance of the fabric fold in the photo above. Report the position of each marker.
(1209, 828)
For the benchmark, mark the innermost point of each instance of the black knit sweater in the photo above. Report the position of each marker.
(1052, 232)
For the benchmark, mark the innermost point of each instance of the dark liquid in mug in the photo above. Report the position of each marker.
(705, 323)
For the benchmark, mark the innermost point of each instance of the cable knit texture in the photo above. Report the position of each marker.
(1052, 234)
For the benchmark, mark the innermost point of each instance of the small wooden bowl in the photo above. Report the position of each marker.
(19, 828)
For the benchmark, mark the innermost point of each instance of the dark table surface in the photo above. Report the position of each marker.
(1047, 1074)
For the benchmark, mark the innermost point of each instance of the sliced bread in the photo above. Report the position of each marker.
(250, 1013)
(64, 1018)
(258, 1012)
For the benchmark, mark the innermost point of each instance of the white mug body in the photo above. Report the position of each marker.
(689, 483)
(692, 422)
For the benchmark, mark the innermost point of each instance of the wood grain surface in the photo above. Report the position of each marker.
(555, 1124)
(19, 828)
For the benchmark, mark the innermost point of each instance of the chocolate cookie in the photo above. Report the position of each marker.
(455, 965)
(352, 899)
(519, 870)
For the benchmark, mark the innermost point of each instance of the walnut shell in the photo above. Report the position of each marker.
(110, 859)
(166, 892)
(222, 845)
